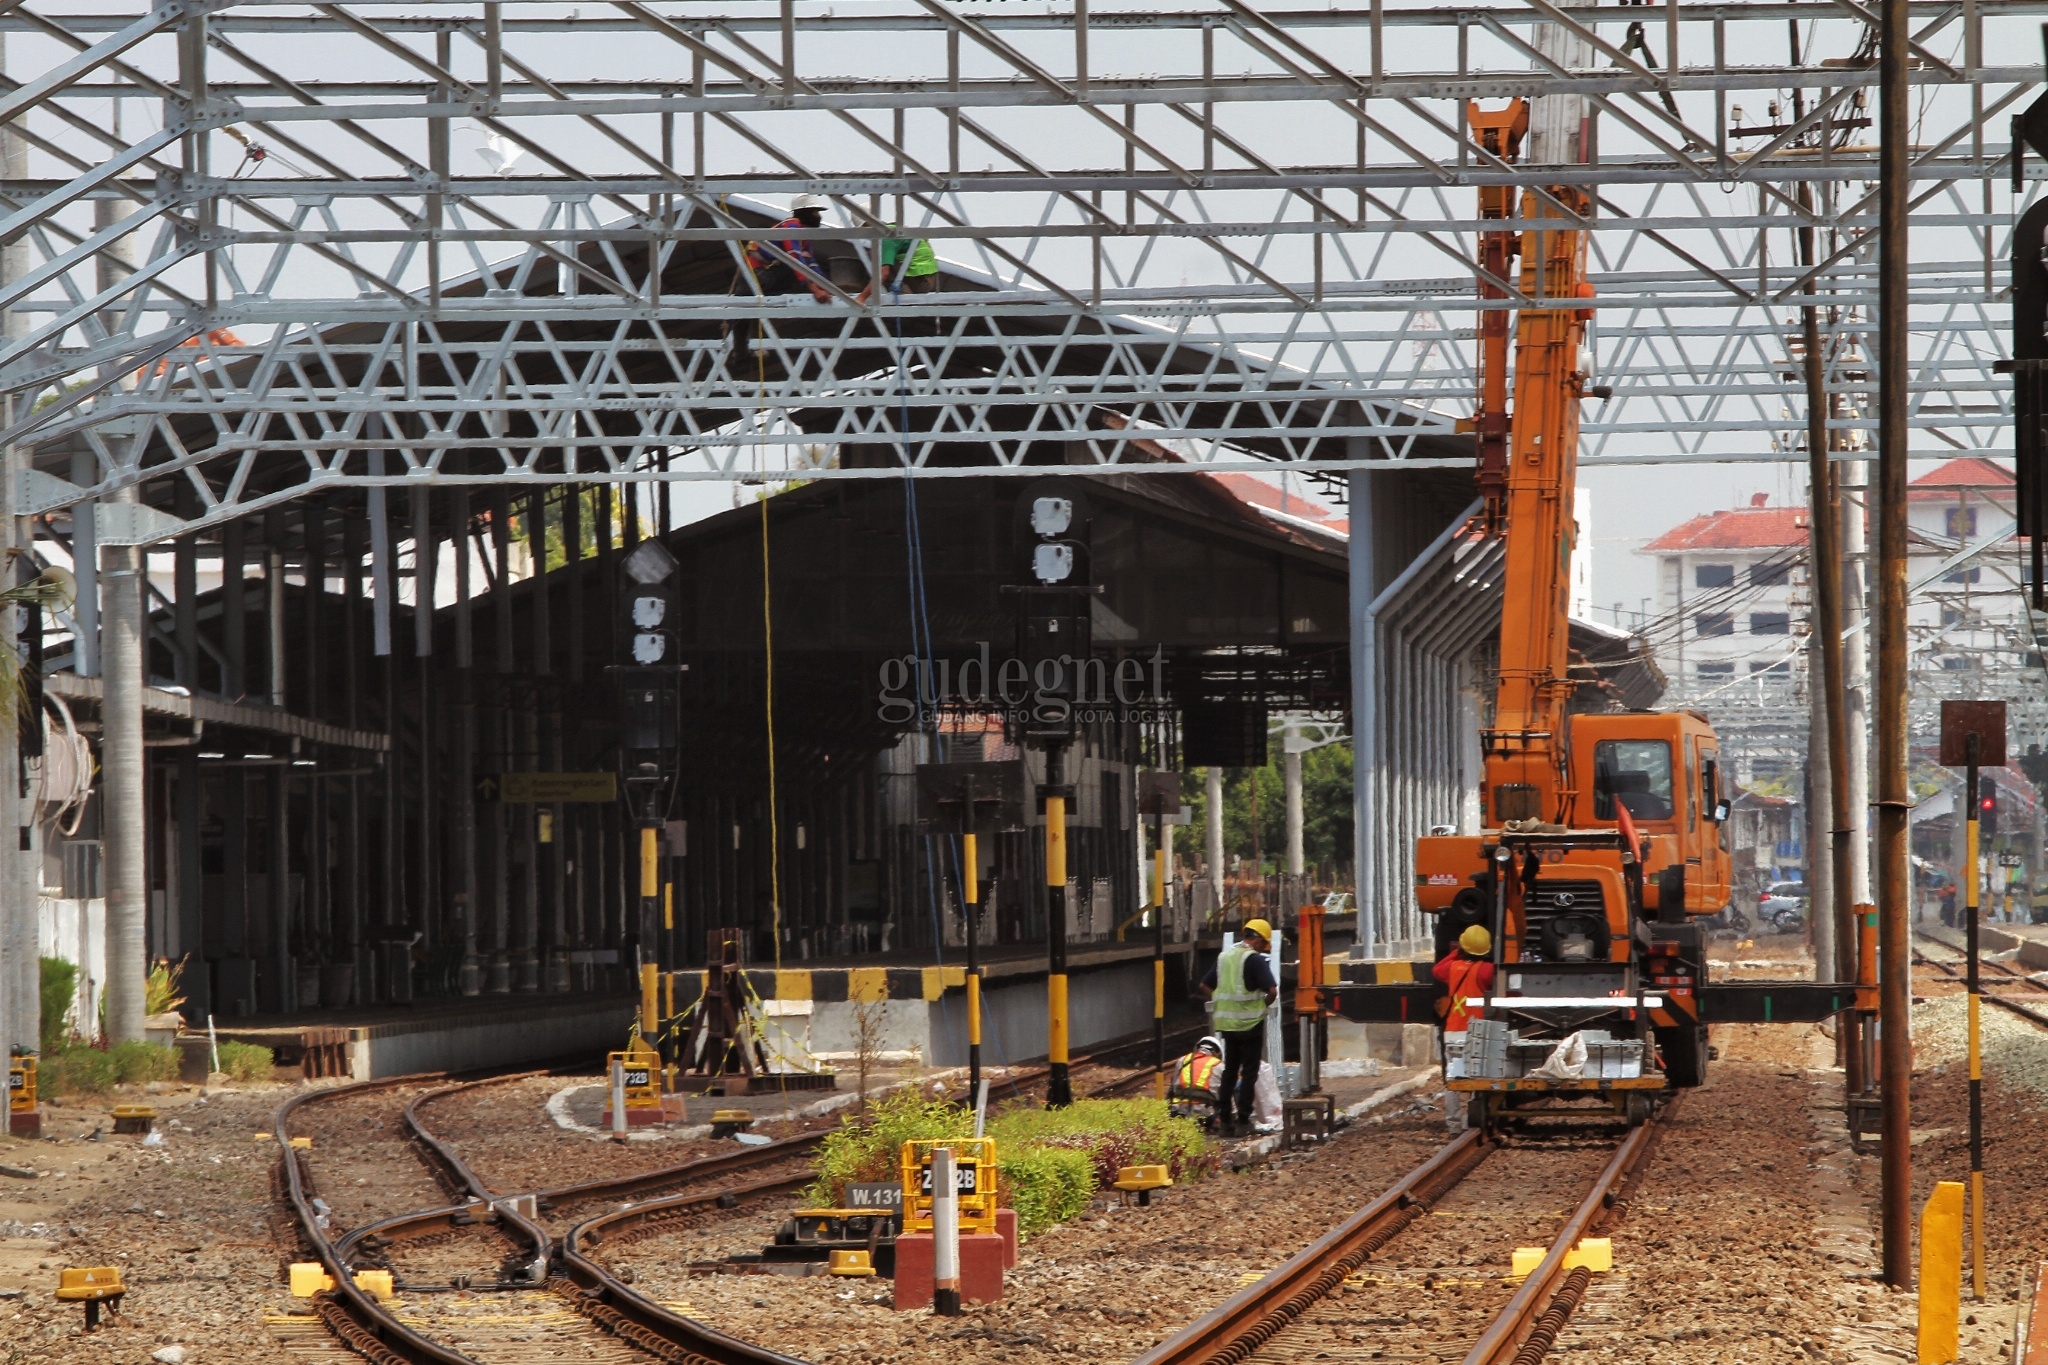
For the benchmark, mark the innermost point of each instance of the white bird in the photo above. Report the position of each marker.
(500, 153)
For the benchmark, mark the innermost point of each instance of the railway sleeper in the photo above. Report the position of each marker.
(592, 1306)
(353, 1334)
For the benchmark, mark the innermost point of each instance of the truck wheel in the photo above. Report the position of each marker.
(1684, 1049)
(1638, 1107)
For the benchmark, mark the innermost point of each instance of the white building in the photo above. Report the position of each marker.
(1732, 597)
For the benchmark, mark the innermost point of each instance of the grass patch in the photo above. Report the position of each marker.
(1112, 1134)
(58, 988)
(1049, 1162)
(245, 1061)
(81, 1069)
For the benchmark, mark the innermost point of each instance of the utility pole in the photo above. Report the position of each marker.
(1894, 802)
(1973, 737)
(1832, 723)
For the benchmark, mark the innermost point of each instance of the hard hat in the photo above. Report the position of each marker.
(1259, 927)
(807, 201)
(1476, 941)
(1212, 1043)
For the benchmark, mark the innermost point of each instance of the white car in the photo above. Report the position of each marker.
(1783, 905)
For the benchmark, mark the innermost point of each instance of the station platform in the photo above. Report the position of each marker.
(373, 1041)
(2027, 942)
(918, 1010)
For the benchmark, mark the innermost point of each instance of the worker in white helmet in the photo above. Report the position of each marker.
(775, 274)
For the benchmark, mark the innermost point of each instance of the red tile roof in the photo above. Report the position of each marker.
(1972, 472)
(1738, 528)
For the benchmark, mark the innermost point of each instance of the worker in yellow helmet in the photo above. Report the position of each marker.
(1241, 985)
(1467, 973)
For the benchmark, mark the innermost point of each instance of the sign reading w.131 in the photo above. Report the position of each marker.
(548, 788)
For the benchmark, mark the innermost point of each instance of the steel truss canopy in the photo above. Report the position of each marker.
(255, 250)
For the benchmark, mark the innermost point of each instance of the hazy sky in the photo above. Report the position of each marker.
(1634, 504)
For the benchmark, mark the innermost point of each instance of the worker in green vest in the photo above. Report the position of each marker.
(907, 266)
(1241, 985)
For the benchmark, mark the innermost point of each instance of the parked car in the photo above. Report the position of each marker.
(1783, 906)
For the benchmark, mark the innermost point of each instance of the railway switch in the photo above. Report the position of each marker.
(727, 1123)
(974, 1172)
(91, 1286)
(133, 1118)
(1142, 1180)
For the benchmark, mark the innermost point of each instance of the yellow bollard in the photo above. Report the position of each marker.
(1941, 1272)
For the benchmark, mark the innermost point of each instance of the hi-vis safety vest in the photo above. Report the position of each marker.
(1237, 1009)
(1462, 986)
(1197, 1073)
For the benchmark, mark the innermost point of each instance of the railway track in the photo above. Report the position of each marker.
(1422, 1303)
(2009, 975)
(503, 1277)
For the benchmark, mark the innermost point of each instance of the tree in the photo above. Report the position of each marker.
(1325, 808)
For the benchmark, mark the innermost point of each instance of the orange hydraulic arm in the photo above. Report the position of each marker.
(1529, 500)
(1500, 132)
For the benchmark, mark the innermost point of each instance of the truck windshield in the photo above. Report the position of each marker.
(1636, 770)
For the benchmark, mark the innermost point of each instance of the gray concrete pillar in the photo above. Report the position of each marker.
(1215, 831)
(123, 815)
(1364, 587)
(1290, 778)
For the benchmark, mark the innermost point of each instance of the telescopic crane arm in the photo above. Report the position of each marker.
(1528, 467)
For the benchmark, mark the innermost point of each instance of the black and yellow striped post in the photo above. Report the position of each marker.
(1975, 986)
(1059, 1089)
(970, 894)
(650, 897)
(1159, 955)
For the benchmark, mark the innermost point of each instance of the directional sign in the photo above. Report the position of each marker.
(548, 788)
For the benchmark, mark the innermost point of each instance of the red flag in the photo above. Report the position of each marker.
(1628, 829)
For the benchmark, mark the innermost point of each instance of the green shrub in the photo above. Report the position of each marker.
(76, 1070)
(1113, 1134)
(871, 1148)
(1049, 1162)
(136, 1061)
(245, 1061)
(59, 987)
(1045, 1185)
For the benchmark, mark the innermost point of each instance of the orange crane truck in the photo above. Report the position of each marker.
(1604, 842)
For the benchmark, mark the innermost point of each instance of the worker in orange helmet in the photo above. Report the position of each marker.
(1467, 973)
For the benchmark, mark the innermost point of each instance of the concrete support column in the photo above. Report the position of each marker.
(1364, 585)
(1215, 831)
(1820, 864)
(19, 998)
(1856, 673)
(121, 786)
(1290, 778)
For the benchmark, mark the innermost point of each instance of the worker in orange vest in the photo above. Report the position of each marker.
(1467, 973)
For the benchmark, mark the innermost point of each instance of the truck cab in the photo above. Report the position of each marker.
(1664, 767)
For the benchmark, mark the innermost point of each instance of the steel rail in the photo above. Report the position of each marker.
(1524, 1330)
(349, 1313)
(1233, 1330)
(2026, 1012)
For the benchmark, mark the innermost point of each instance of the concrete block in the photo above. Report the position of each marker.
(1418, 1045)
(1006, 1228)
(981, 1269)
